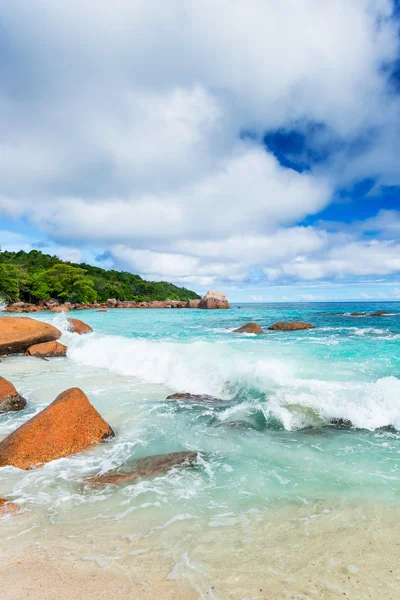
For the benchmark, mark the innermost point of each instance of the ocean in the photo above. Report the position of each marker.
(281, 503)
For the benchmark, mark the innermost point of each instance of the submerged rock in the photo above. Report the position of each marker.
(380, 313)
(79, 327)
(146, 467)
(18, 333)
(68, 425)
(249, 328)
(7, 507)
(290, 326)
(196, 398)
(47, 350)
(102, 310)
(214, 299)
(10, 400)
(357, 314)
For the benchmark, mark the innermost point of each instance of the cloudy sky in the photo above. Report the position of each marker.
(247, 145)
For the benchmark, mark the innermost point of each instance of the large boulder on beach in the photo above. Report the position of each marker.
(214, 299)
(47, 350)
(79, 327)
(145, 467)
(249, 328)
(18, 333)
(68, 425)
(290, 326)
(10, 400)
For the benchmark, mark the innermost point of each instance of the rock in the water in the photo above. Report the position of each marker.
(290, 326)
(47, 350)
(146, 467)
(7, 507)
(339, 422)
(380, 313)
(68, 425)
(102, 310)
(59, 309)
(77, 326)
(192, 304)
(18, 333)
(214, 299)
(249, 328)
(196, 398)
(357, 314)
(23, 307)
(10, 400)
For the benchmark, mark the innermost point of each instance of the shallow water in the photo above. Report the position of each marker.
(268, 457)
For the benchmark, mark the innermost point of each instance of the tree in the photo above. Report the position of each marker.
(12, 279)
(70, 283)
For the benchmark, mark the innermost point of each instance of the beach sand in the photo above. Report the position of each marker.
(308, 552)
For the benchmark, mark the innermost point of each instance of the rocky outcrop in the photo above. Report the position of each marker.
(10, 400)
(47, 350)
(194, 398)
(290, 326)
(68, 425)
(7, 507)
(79, 327)
(59, 309)
(214, 299)
(380, 313)
(18, 333)
(23, 307)
(249, 328)
(145, 467)
(192, 304)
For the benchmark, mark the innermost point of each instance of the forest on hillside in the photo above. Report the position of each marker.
(33, 276)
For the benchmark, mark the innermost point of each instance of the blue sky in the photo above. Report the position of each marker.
(257, 154)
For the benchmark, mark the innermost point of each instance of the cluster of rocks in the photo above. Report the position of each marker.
(212, 300)
(280, 326)
(378, 313)
(70, 424)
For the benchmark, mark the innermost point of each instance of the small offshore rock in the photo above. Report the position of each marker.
(197, 398)
(214, 299)
(146, 467)
(380, 313)
(10, 400)
(79, 327)
(68, 425)
(290, 326)
(249, 328)
(357, 314)
(102, 310)
(18, 333)
(47, 350)
(339, 422)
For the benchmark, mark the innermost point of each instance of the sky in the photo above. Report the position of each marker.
(250, 146)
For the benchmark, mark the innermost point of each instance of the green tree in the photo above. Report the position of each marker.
(12, 279)
(70, 283)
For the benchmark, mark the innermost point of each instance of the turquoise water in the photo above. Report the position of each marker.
(270, 439)
(267, 444)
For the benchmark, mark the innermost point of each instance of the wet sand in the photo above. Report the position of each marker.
(307, 552)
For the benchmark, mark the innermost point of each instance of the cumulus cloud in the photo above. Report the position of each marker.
(123, 129)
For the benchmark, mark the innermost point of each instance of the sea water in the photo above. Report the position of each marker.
(272, 469)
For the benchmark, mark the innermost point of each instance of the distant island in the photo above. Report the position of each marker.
(34, 277)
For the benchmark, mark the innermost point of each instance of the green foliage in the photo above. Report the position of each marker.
(36, 276)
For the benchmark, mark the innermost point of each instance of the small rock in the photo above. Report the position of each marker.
(59, 309)
(249, 328)
(196, 398)
(146, 467)
(102, 310)
(79, 327)
(68, 425)
(7, 507)
(380, 313)
(357, 314)
(47, 350)
(290, 326)
(10, 400)
(339, 422)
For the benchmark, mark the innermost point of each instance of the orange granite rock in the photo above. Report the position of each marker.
(18, 333)
(10, 400)
(47, 350)
(77, 326)
(68, 425)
